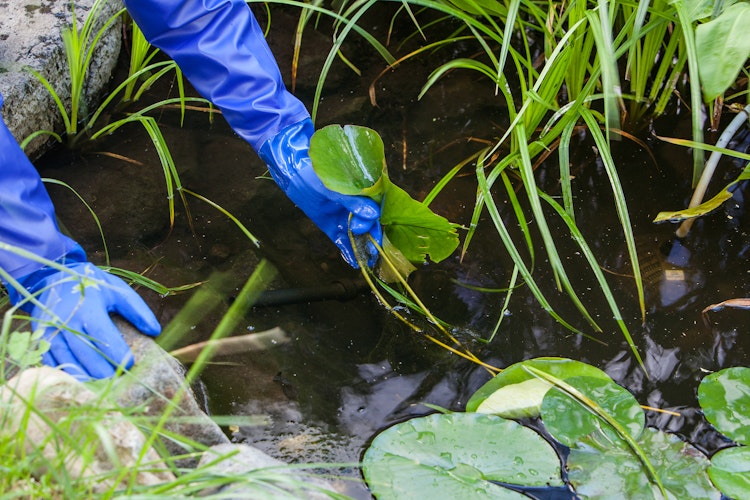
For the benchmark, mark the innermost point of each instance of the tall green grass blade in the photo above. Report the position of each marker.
(620, 202)
(527, 175)
(602, 32)
(514, 253)
(563, 152)
(88, 207)
(696, 100)
(227, 214)
(601, 279)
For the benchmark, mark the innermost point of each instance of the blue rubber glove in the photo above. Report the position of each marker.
(288, 160)
(73, 309)
(220, 48)
(91, 346)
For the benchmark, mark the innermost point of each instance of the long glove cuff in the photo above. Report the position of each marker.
(287, 152)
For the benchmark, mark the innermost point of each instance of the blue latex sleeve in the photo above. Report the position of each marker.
(71, 306)
(220, 48)
(27, 217)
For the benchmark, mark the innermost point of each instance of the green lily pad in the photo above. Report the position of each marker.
(516, 393)
(570, 421)
(615, 472)
(730, 471)
(725, 399)
(458, 455)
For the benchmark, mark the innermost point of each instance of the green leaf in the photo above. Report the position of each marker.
(26, 348)
(458, 455)
(516, 393)
(415, 229)
(349, 159)
(597, 473)
(725, 399)
(707, 206)
(570, 421)
(730, 471)
(723, 46)
(397, 259)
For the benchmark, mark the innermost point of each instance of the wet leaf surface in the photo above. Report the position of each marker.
(616, 472)
(730, 471)
(516, 393)
(458, 455)
(725, 399)
(570, 420)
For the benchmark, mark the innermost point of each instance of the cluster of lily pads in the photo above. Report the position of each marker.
(556, 423)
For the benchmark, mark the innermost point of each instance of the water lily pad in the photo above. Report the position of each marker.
(730, 471)
(617, 472)
(458, 455)
(725, 399)
(516, 393)
(570, 421)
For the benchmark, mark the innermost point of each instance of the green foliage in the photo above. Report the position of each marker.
(596, 472)
(515, 392)
(458, 455)
(571, 421)
(730, 471)
(601, 424)
(351, 160)
(725, 399)
(723, 48)
(25, 348)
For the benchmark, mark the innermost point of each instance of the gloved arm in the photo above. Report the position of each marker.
(220, 48)
(89, 345)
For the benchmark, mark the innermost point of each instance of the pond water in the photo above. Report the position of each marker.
(350, 368)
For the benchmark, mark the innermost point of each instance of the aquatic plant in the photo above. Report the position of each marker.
(598, 424)
(82, 125)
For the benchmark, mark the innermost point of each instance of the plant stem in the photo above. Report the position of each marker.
(708, 170)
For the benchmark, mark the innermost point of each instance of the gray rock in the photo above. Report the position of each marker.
(258, 475)
(105, 440)
(30, 37)
(157, 384)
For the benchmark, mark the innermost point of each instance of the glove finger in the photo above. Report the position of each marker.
(104, 349)
(132, 307)
(96, 350)
(342, 242)
(362, 226)
(60, 356)
(372, 250)
(361, 207)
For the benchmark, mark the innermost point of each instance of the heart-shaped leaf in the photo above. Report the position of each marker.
(349, 159)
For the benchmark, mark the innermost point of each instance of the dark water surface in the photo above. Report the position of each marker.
(351, 369)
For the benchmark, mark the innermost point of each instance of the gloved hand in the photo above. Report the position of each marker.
(74, 312)
(73, 308)
(221, 49)
(288, 160)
